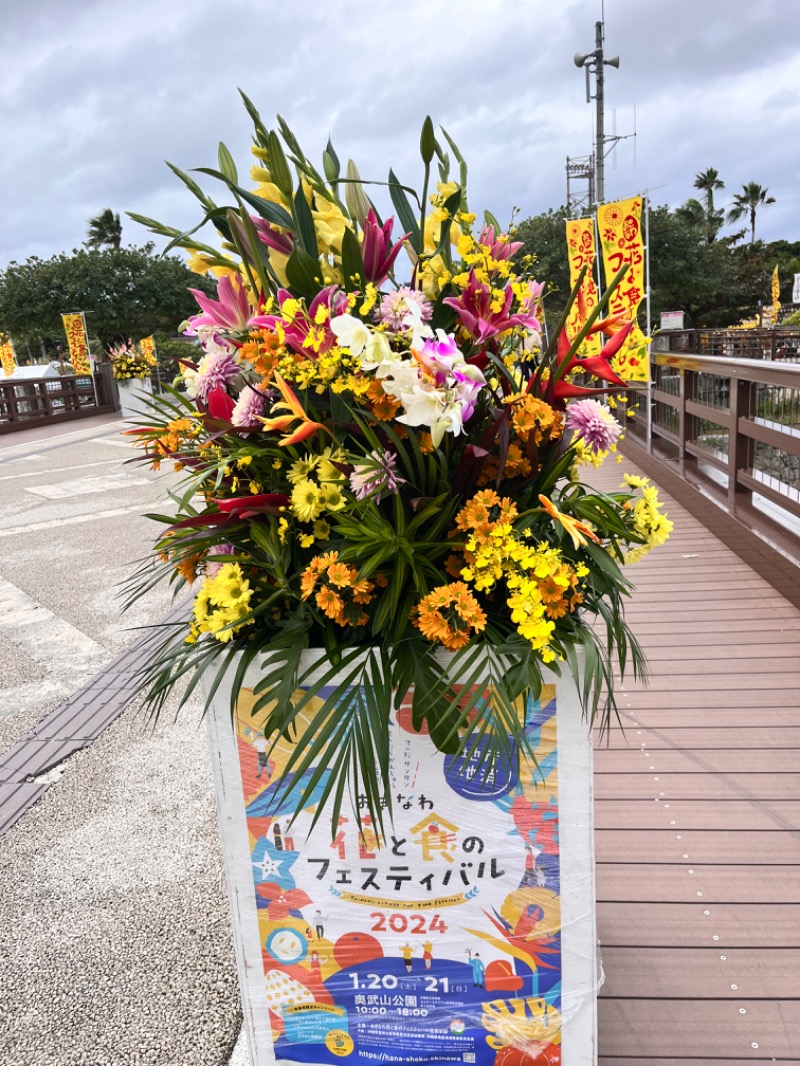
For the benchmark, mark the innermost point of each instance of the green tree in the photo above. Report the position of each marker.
(708, 181)
(105, 231)
(544, 237)
(127, 293)
(746, 204)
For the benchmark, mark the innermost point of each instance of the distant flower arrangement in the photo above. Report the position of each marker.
(387, 456)
(128, 362)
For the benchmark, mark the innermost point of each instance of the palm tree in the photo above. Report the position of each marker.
(708, 181)
(105, 230)
(747, 202)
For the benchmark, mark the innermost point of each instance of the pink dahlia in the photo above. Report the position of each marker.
(594, 424)
(249, 409)
(215, 371)
(394, 308)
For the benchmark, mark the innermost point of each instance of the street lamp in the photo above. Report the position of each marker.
(593, 63)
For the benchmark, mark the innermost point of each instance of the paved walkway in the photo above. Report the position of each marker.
(115, 944)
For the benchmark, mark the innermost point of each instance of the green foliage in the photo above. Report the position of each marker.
(127, 293)
(105, 231)
(544, 238)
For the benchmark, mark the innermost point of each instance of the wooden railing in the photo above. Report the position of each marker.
(35, 401)
(781, 344)
(736, 421)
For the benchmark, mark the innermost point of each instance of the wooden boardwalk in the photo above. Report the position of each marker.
(698, 816)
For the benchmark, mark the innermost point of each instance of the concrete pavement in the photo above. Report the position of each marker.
(115, 945)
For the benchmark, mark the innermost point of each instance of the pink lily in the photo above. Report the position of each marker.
(499, 249)
(230, 312)
(474, 307)
(297, 331)
(376, 248)
(273, 237)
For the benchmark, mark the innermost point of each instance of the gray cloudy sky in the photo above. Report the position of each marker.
(97, 93)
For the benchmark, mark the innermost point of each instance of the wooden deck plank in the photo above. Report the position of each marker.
(700, 786)
(729, 847)
(735, 761)
(687, 882)
(706, 736)
(638, 1029)
(691, 925)
(723, 973)
(707, 815)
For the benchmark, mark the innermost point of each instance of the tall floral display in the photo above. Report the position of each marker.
(393, 557)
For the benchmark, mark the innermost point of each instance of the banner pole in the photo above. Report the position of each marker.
(649, 429)
(89, 358)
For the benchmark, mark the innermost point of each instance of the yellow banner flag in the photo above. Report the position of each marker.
(8, 357)
(581, 252)
(78, 343)
(620, 228)
(776, 293)
(147, 346)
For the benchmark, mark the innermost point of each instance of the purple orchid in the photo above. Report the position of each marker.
(499, 248)
(481, 321)
(376, 248)
(296, 333)
(230, 312)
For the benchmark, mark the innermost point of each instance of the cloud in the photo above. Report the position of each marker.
(96, 96)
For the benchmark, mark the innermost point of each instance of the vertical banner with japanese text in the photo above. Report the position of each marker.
(8, 357)
(147, 346)
(776, 296)
(581, 251)
(443, 944)
(620, 227)
(78, 342)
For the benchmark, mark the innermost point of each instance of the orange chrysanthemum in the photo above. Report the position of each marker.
(450, 615)
(330, 603)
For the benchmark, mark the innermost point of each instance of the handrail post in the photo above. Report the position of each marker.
(687, 390)
(740, 446)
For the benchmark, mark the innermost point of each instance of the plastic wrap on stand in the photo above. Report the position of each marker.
(468, 938)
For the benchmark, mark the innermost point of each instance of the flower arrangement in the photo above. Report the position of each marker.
(388, 469)
(128, 362)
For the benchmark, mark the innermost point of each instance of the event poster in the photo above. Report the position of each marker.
(620, 227)
(75, 330)
(581, 251)
(443, 946)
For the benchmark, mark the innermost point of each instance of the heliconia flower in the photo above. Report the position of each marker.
(268, 234)
(375, 476)
(578, 531)
(594, 423)
(377, 250)
(297, 331)
(474, 308)
(296, 412)
(394, 308)
(231, 311)
(248, 410)
(214, 371)
(498, 248)
(236, 509)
